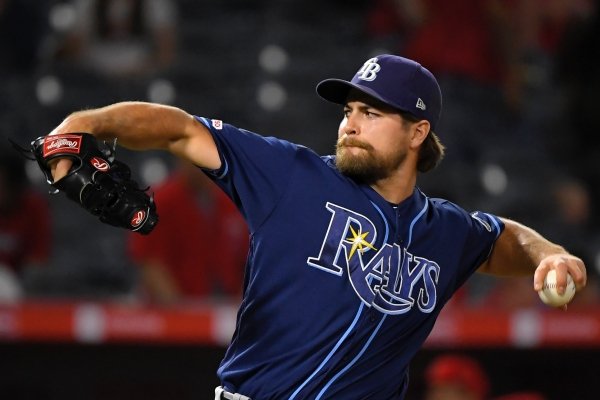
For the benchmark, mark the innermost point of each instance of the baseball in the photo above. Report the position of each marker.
(549, 294)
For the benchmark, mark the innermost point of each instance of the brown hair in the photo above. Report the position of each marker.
(431, 153)
(432, 150)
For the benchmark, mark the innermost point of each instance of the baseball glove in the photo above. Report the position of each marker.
(99, 183)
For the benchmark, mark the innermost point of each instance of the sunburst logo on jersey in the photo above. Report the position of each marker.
(359, 242)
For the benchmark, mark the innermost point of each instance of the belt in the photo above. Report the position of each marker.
(222, 394)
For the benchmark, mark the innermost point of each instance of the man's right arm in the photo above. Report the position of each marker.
(143, 126)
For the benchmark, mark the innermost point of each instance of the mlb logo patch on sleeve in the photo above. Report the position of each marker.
(217, 124)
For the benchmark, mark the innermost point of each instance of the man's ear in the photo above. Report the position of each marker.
(420, 130)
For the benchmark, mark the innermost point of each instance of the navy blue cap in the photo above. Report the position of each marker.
(396, 81)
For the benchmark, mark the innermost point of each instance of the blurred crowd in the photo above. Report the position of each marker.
(520, 123)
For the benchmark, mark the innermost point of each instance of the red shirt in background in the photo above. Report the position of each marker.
(202, 240)
(25, 232)
(456, 37)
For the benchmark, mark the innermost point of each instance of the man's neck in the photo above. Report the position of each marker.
(396, 188)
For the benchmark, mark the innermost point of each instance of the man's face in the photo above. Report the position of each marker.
(372, 142)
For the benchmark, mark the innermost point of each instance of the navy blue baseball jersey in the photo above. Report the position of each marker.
(341, 287)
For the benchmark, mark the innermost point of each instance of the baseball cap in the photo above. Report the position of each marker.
(399, 82)
(460, 370)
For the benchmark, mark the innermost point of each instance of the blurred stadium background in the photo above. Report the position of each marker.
(78, 330)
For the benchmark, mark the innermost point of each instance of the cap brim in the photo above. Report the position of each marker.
(337, 90)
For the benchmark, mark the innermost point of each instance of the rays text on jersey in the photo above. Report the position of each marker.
(390, 279)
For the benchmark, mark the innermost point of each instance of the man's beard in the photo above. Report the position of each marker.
(365, 167)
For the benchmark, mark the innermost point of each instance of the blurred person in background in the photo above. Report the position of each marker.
(199, 248)
(25, 224)
(455, 377)
(122, 38)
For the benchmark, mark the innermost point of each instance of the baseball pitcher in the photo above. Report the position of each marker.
(350, 262)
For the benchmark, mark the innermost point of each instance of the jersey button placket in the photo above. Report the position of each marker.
(398, 233)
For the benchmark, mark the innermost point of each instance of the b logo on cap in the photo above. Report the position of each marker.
(369, 70)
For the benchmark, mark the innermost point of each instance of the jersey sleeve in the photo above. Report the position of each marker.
(473, 234)
(254, 170)
(483, 230)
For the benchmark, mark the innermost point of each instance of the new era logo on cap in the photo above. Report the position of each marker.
(396, 81)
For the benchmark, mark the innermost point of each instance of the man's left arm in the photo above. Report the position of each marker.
(521, 251)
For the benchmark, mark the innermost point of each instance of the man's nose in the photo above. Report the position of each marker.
(350, 127)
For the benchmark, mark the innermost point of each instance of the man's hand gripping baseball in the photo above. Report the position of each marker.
(521, 251)
(563, 264)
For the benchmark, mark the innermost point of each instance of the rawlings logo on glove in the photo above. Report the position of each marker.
(96, 181)
(61, 144)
